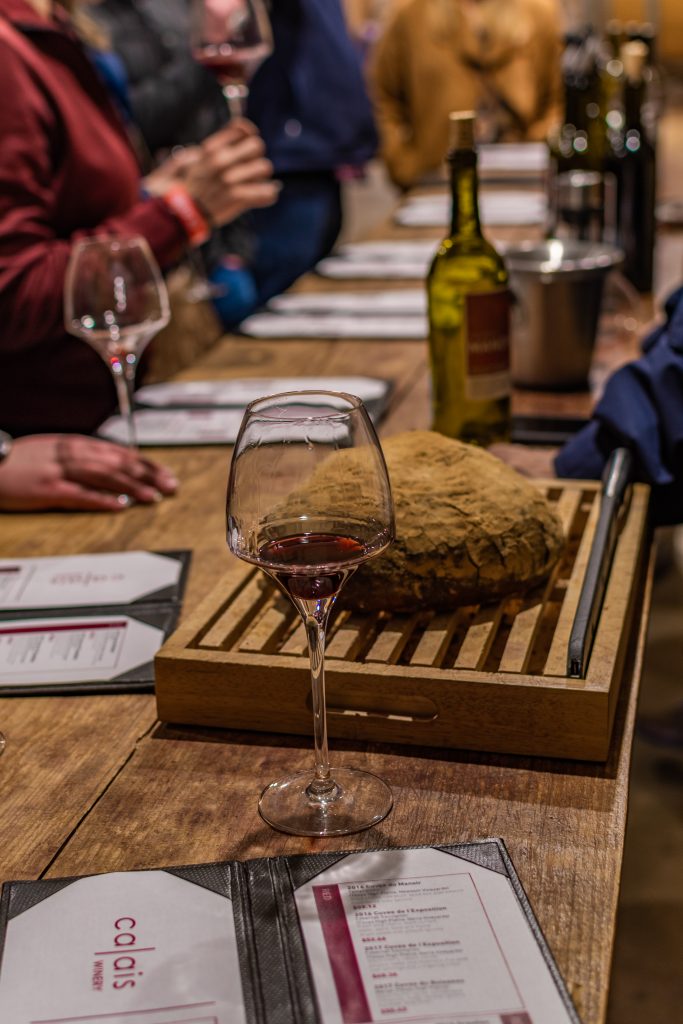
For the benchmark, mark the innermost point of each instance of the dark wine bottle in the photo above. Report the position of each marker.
(636, 170)
(469, 312)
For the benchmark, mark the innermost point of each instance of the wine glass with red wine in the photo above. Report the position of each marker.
(116, 300)
(231, 38)
(308, 502)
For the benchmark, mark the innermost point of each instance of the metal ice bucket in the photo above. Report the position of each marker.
(557, 285)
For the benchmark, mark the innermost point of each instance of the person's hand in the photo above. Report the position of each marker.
(68, 471)
(529, 461)
(232, 174)
(226, 174)
(172, 170)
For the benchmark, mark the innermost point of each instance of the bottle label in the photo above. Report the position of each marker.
(488, 345)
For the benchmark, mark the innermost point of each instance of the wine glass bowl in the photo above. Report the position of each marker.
(308, 502)
(231, 38)
(115, 299)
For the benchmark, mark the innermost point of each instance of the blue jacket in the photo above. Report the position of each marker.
(642, 408)
(309, 99)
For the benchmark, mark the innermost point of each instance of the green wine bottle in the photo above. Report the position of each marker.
(469, 312)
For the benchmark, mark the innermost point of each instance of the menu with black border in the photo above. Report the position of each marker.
(423, 935)
(88, 622)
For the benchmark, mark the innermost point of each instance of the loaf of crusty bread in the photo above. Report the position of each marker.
(468, 529)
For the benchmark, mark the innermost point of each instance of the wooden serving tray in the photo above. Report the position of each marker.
(481, 677)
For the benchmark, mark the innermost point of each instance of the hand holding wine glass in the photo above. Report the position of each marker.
(115, 299)
(231, 38)
(309, 501)
(226, 174)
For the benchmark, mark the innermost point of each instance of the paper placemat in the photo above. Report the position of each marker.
(388, 250)
(167, 426)
(335, 325)
(240, 392)
(503, 208)
(386, 259)
(176, 427)
(365, 303)
(341, 269)
(510, 161)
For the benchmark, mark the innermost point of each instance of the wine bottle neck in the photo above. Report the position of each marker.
(464, 190)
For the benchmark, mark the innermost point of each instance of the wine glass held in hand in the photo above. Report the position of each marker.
(309, 501)
(231, 38)
(116, 300)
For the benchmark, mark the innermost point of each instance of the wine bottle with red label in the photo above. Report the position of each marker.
(469, 312)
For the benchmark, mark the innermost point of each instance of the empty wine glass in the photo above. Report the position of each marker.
(309, 501)
(116, 300)
(231, 38)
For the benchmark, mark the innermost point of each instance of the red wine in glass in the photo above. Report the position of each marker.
(232, 64)
(317, 564)
(308, 501)
(231, 38)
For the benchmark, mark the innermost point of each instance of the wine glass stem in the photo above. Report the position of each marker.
(323, 783)
(235, 94)
(124, 377)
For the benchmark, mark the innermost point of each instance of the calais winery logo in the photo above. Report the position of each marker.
(122, 966)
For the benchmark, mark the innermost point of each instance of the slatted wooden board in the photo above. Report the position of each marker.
(480, 677)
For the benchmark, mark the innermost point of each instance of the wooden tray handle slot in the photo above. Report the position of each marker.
(409, 708)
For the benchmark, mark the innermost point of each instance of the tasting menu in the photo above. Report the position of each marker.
(87, 623)
(210, 412)
(436, 935)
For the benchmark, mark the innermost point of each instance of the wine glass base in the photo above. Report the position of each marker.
(359, 801)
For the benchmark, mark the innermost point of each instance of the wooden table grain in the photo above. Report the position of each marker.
(90, 784)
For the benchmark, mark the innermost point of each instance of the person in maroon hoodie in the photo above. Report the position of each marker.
(68, 170)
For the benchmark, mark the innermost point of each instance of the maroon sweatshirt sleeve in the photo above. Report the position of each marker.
(36, 234)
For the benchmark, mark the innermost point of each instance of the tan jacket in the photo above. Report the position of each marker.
(499, 57)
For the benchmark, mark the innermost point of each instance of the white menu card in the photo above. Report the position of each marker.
(192, 413)
(71, 623)
(498, 208)
(71, 581)
(382, 258)
(145, 947)
(54, 651)
(421, 935)
(357, 303)
(325, 324)
(239, 392)
(164, 427)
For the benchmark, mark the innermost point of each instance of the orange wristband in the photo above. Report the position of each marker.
(182, 205)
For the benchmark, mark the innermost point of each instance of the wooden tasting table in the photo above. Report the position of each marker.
(92, 784)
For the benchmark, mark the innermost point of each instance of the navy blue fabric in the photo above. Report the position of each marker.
(112, 71)
(309, 99)
(642, 408)
(295, 233)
